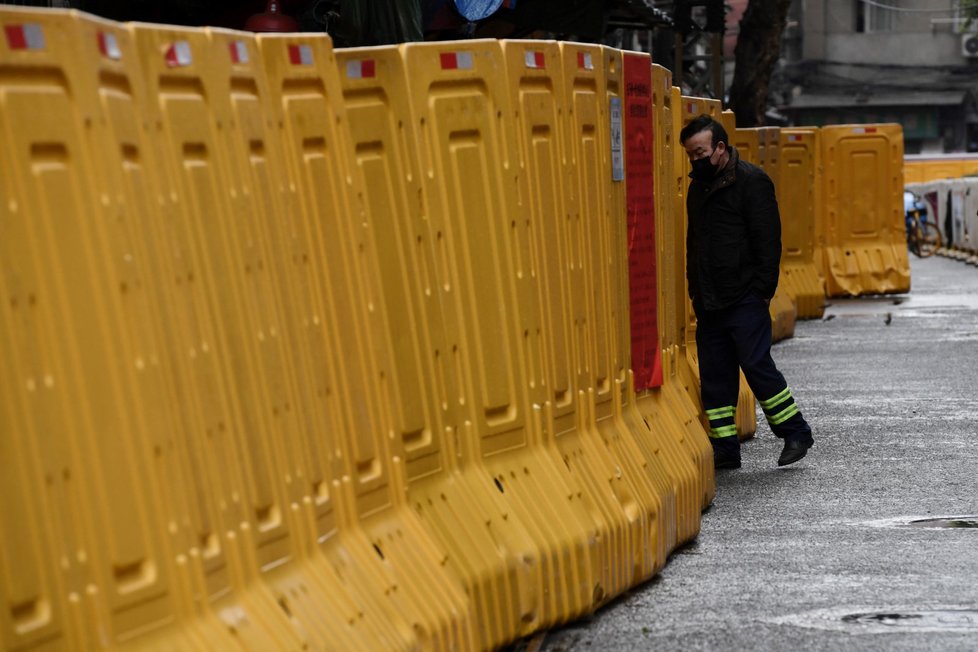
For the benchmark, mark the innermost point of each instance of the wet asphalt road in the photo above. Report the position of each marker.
(818, 556)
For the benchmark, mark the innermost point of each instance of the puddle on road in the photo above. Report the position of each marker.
(954, 521)
(935, 619)
(892, 620)
(928, 523)
(912, 305)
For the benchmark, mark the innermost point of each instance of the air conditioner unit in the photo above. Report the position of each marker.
(969, 46)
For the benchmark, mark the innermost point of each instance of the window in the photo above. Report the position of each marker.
(876, 15)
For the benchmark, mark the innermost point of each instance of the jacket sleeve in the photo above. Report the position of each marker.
(764, 229)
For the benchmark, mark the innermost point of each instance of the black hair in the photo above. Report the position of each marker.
(702, 123)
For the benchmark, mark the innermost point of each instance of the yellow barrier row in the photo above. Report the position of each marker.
(923, 169)
(842, 228)
(334, 349)
(305, 350)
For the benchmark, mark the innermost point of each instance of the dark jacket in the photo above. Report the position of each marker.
(733, 244)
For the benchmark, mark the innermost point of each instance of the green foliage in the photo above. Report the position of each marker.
(970, 10)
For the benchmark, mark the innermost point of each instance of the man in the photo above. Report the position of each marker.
(733, 253)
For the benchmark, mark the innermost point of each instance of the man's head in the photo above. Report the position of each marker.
(705, 140)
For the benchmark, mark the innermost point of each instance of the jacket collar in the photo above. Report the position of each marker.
(728, 174)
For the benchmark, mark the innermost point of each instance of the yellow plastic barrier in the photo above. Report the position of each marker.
(729, 120)
(745, 418)
(385, 530)
(862, 182)
(672, 480)
(783, 309)
(220, 316)
(467, 140)
(591, 93)
(376, 99)
(796, 199)
(76, 515)
(689, 108)
(535, 86)
(378, 545)
(532, 477)
(921, 168)
(748, 144)
(536, 81)
(771, 152)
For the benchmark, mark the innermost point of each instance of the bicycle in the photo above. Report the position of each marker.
(923, 237)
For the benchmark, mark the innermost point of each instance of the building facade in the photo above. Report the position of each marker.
(914, 62)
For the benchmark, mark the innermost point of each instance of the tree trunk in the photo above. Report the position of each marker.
(758, 49)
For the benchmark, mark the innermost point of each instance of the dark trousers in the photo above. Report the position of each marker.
(734, 338)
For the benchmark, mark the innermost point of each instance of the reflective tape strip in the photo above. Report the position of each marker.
(300, 55)
(109, 46)
(24, 37)
(178, 55)
(456, 60)
(534, 59)
(777, 398)
(239, 52)
(721, 412)
(584, 61)
(783, 415)
(724, 431)
(361, 69)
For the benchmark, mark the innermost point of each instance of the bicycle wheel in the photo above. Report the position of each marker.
(928, 239)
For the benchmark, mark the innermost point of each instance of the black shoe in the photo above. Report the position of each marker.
(725, 461)
(794, 450)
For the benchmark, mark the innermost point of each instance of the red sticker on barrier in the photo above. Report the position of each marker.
(640, 203)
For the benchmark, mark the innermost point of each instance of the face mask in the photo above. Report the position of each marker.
(703, 169)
